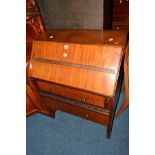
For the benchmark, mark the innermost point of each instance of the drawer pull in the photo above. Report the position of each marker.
(117, 28)
(110, 39)
(66, 47)
(49, 89)
(85, 99)
(87, 115)
(51, 37)
(120, 1)
(65, 54)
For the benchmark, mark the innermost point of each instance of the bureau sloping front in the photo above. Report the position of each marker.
(92, 68)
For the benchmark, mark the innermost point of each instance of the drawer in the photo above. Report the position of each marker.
(120, 27)
(77, 111)
(120, 12)
(75, 94)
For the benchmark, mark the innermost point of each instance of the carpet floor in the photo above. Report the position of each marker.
(71, 135)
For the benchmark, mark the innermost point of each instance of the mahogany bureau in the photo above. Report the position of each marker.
(78, 71)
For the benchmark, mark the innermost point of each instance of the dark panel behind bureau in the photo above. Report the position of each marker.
(75, 14)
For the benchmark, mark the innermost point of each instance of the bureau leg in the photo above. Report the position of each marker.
(108, 132)
(110, 102)
(52, 113)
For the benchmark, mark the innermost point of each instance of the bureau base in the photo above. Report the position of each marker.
(53, 106)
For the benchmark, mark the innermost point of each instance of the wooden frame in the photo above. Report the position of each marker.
(126, 82)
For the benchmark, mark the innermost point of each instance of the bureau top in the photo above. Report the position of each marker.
(112, 37)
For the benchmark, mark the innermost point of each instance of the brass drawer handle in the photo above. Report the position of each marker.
(87, 115)
(65, 54)
(85, 99)
(110, 39)
(49, 89)
(51, 36)
(66, 47)
(117, 28)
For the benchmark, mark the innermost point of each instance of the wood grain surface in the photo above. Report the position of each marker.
(85, 36)
(103, 53)
(75, 94)
(81, 112)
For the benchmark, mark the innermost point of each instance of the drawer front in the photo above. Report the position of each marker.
(121, 23)
(81, 112)
(120, 27)
(72, 93)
